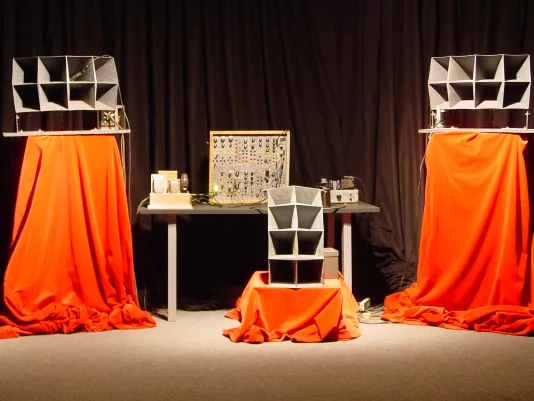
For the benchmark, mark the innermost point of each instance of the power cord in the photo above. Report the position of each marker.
(364, 190)
(127, 165)
(204, 199)
(372, 315)
(143, 202)
(86, 66)
(128, 176)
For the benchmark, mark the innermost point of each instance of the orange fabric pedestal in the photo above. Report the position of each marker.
(329, 313)
(475, 270)
(71, 263)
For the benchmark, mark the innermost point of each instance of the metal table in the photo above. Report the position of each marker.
(172, 236)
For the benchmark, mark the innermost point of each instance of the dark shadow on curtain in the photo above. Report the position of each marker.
(368, 281)
(529, 165)
(11, 156)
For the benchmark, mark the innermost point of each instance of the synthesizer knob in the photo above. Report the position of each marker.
(230, 139)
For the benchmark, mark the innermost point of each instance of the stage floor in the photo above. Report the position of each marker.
(191, 359)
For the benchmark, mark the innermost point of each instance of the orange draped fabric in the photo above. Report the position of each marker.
(329, 313)
(71, 262)
(474, 269)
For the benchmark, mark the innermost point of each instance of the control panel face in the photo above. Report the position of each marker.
(245, 163)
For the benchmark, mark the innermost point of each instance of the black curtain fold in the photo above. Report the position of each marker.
(348, 78)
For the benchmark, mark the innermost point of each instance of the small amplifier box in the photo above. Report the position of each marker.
(344, 196)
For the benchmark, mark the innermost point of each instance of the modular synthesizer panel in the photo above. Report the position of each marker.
(243, 164)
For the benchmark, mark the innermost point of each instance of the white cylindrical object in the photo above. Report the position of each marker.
(158, 184)
(174, 186)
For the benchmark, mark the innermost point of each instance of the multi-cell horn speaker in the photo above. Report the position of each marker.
(296, 249)
(62, 83)
(499, 81)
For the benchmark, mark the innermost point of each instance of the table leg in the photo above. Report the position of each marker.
(346, 249)
(172, 235)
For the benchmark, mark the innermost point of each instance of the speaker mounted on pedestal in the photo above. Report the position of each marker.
(478, 82)
(65, 84)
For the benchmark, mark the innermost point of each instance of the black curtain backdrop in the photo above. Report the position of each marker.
(346, 77)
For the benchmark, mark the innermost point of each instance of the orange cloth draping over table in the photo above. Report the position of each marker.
(71, 263)
(475, 270)
(328, 313)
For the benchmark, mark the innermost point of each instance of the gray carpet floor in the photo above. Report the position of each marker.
(191, 360)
